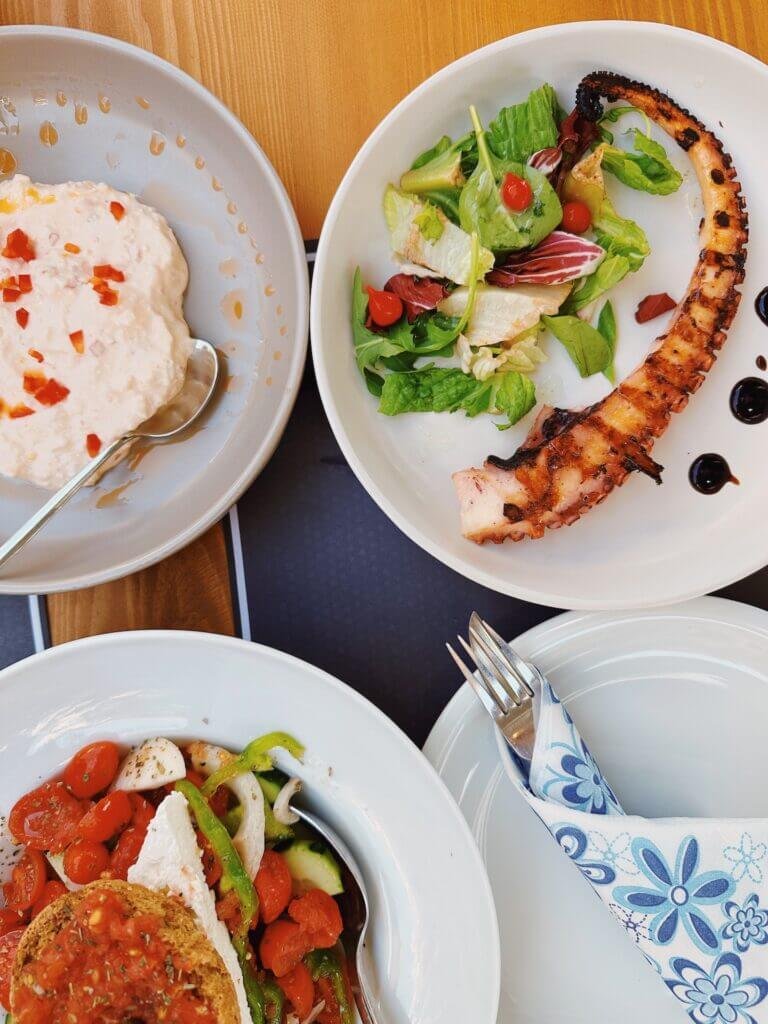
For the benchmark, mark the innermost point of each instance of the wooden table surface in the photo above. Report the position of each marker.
(310, 80)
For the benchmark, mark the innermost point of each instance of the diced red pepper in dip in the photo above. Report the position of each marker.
(78, 343)
(34, 354)
(18, 246)
(52, 393)
(71, 247)
(17, 412)
(108, 297)
(25, 283)
(33, 382)
(22, 317)
(93, 444)
(11, 294)
(107, 272)
(117, 209)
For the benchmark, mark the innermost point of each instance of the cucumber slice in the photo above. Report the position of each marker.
(271, 783)
(313, 865)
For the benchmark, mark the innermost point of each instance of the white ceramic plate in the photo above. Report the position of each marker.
(432, 907)
(644, 545)
(673, 703)
(123, 116)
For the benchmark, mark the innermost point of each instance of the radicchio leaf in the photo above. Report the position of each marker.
(418, 294)
(546, 160)
(577, 133)
(560, 257)
(652, 306)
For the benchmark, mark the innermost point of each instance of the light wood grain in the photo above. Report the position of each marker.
(311, 79)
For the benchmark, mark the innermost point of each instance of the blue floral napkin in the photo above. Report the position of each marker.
(692, 893)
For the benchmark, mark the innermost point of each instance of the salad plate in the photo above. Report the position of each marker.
(645, 545)
(360, 774)
(636, 682)
(75, 106)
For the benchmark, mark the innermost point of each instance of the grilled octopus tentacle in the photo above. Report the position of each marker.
(572, 460)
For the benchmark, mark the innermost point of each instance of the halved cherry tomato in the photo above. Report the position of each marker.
(47, 818)
(283, 945)
(516, 192)
(126, 852)
(219, 801)
(299, 990)
(27, 881)
(385, 308)
(84, 861)
(319, 916)
(92, 769)
(9, 943)
(52, 891)
(10, 920)
(107, 817)
(142, 810)
(211, 863)
(228, 911)
(273, 884)
(577, 217)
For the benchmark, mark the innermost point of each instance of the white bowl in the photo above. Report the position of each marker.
(433, 914)
(241, 239)
(644, 545)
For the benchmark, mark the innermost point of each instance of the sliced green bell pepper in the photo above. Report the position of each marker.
(254, 758)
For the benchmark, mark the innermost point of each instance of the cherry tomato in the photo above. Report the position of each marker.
(219, 801)
(84, 861)
(385, 308)
(576, 217)
(9, 943)
(299, 990)
(106, 818)
(273, 884)
(516, 192)
(319, 916)
(211, 863)
(228, 911)
(10, 920)
(283, 945)
(51, 892)
(126, 852)
(92, 769)
(143, 811)
(27, 881)
(47, 818)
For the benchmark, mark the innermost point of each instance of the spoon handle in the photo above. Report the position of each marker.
(59, 499)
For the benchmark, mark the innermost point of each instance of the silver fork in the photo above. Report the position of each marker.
(504, 683)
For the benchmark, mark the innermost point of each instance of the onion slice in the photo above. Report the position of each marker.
(282, 805)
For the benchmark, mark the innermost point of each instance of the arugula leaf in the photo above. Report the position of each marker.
(429, 224)
(482, 210)
(606, 325)
(521, 130)
(369, 346)
(648, 170)
(607, 274)
(588, 349)
(434, 389)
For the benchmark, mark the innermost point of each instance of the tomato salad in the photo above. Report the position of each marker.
(273, 883)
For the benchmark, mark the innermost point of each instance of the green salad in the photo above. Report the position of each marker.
(501, 236)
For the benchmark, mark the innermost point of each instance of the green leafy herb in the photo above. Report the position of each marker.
(606, 276)
(521, 130)
(482, 210)
(447, 199)
(647, 170)
(429, 223)
(588, 349)
(434, 389)
(606, 325)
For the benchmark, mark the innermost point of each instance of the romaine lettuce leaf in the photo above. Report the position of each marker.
(443, 166)
(369, 346)
(434, 389)
(647, 170)
(606, 325)
(519, 131)
(590, 351)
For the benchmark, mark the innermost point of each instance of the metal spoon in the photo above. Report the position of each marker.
(356, 916)
(203, 371)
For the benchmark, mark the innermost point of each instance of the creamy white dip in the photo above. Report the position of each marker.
(131, 357)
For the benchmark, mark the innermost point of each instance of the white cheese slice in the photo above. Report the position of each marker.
(170, 861)
(500, 314)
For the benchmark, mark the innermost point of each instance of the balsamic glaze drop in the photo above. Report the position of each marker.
(761, 363)
(761, 305)
(709, 473)
(749, 400)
